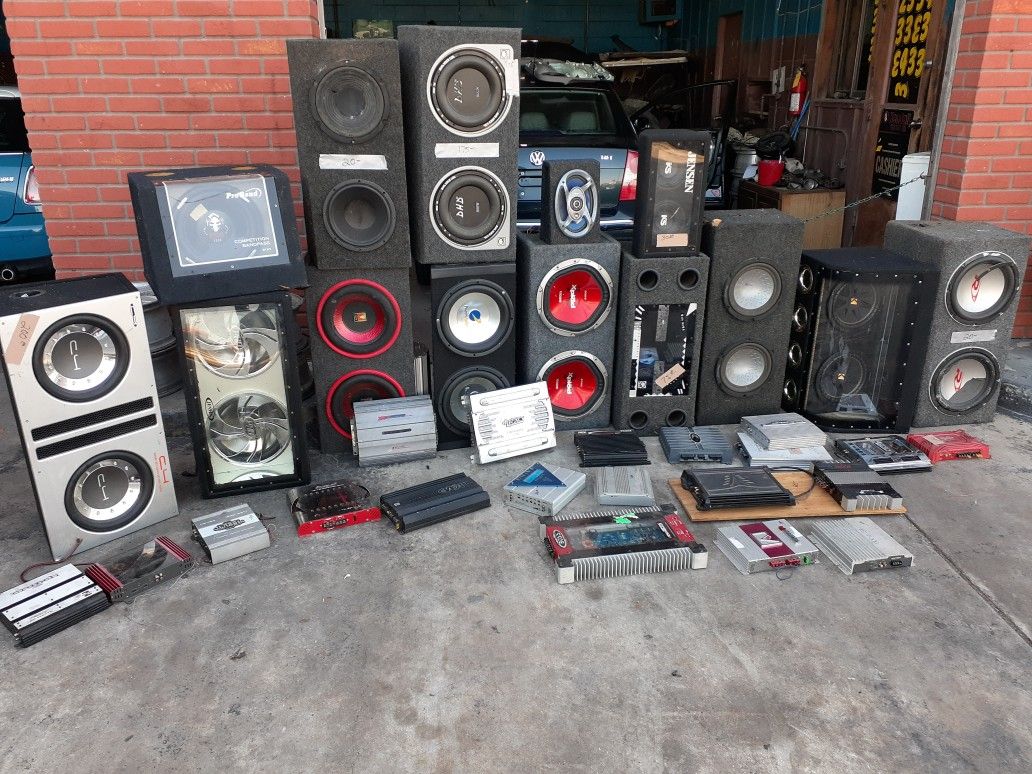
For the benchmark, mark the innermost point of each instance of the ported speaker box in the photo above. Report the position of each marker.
(754, 262)
(461, 93)
(348, 117)
(858, 338)
(79, 374)
(361, 339)
(671, 191)
(982, 269)
(566, 326)
(570, 202)
(473, 347)
(662, 305)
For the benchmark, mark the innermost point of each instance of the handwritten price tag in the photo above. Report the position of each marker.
(20, 340)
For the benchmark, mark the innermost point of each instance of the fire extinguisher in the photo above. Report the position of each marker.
(797, 94)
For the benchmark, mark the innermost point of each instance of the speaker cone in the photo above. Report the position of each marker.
(358, 318)
(840, 375)
(355, 386)
(350, 104)
(108, 491)
(576, 203)
(80, 358)
(668, 217)
(982, 287)
(753, 291)
(852, 305)
(359, 215)
(577, 382)
(234, 347)
(467, 91)
(743, 368)
(250, 428)
(468, 206)
(574, 296)
(464, 383)
(964, 380)
(475, 317)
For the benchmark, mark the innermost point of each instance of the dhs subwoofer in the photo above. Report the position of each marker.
(473, 318)
(461, 93)
(570, 202)
(754, 263)
(567, 325)
(78, 368)
(350, 140)
(858, 333)
(982, 269)
(361, 340)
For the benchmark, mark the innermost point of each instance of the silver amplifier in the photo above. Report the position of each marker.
(510, 422)
(394, 430)
(858, 545)
(230, 533)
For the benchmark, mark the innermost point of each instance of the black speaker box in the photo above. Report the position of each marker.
(671, 192)
(566, 326)
(461, 92)
(754, 262)
(473, 346)
(361, 338)
(351, 151)
(858, 337)
(982, 269)
(662, 305)
(570, 202)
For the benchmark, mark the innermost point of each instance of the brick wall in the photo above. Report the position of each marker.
(985, 168)
(113, 87)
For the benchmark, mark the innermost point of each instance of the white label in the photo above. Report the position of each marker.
(19, 344)
(466, 150)
(967, 337)
(671, 240)
(366, 161)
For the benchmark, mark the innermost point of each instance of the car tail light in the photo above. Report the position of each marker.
(629, 185)
(31, 187)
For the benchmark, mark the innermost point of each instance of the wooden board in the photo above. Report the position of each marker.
(816, 504)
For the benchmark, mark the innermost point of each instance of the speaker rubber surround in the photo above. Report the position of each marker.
(133, 485)
(956, 372)
(350, 103)
(466, 89)
(982, 287)
(99, 339)
(359, 215)
(743, 357)
(574, 297)
(467, 381)
(487, 200)
(363, 384)
(362, 341)
(577, 382)
(485, 311)
(753, 291)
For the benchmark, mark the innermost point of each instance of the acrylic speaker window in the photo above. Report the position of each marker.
(577, 382)
(964, 380)
(672, 209)
(982, 287)
(80, 358)
(661, 349)
(475, 317)
(575, 296)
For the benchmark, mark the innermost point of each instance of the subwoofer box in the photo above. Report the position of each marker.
(348, 117)
(473, 340)
(982, 269)
(566, 325)
(461, 93)
(662, 305)
(754, 262)
(570, 203)
(361, 339)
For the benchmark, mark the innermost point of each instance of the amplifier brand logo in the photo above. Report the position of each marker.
(689, 173)
(231, 524)
(250, 193)
(382, 417)
(559, 538)
(450, 488)
(513, 421)
(537, 158)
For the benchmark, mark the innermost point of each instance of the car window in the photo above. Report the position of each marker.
(573, 112)
(13, 138)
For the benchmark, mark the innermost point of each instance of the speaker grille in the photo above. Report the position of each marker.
(108, 491)
(80, 358)
(96, 436)
(574, 297)
(982, 287)
(363, 384)
(576, 203)
(350, 104)
(358, 318)
(93, 418)
(475, 317)
(744, 368)
(359, 215)
(463, 384)
(577, 382)
(467, 92)
(964, 380)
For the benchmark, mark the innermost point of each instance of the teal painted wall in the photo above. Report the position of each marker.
(760, 19)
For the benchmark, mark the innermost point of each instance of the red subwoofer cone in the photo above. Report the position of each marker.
(575, 297)
(364, 384)
(577, 382)
(358, 318)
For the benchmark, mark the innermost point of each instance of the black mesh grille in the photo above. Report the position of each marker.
(88, 439)
(94, 417)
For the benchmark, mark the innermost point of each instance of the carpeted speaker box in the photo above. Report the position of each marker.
(982, 269)
(348, 118)
(857, 339)
(473, 346)
(570, 202)
(566, 325)
(461, 93)
(361, 339)
(754, 262)
(662, 304)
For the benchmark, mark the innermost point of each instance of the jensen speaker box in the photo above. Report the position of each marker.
(243, 393)
(361, 345)
(857, 340)
(662, 304)
(754, 262)
(199, 227)
(566, 327)
(79, 372)
(461, 93)
(351, 151)
(473, 340)
(671, 192)
(982, 267)
(570, 202)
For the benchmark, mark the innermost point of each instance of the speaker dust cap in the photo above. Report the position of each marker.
(350, 103)
(462, 384)
(577, 382)
(574, 296)
(467, 90)
(358, 318)
(753, 291)
(475, 317)
(359, 215)
(964, 380)
(108, 491)
(80, 358)
(982, 287)
(744, 368)
(363, 384)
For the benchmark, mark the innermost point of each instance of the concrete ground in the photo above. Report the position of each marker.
(454, 649)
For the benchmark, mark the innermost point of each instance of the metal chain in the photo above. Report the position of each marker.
(866, 199)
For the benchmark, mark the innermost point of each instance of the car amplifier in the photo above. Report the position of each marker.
(624, 485)
(50, 603)
(858, 545)
(510, 422)
(885, 454)
(764, 545)
(705, 443)
(544, 490)
(433, 502)
(856, 487)
(385, 432)
(230, 533)
(324, 507)
(128, 574)
(945, 445)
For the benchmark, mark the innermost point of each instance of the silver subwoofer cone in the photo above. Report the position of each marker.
(964, 380)
(249, 429)
(982, 287)
(80, 358)
(232, 347)
(753, 291)
(108, 491)
(744, 368)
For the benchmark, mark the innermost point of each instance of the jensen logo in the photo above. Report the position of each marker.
(227, 525)
(512, 421)
(250, 193)
(559, 538)
(537, 158)
(689, 173)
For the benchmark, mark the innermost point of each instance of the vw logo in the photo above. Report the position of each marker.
(537, 158)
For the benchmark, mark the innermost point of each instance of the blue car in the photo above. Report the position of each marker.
(24, 249)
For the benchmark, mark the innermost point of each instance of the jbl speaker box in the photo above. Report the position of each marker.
(570, 202)
(982, 269)
(662, 305)
(348, 117)
(566, 329)
(858, 337)
(461, 93)
(361, 339)
(754, 262)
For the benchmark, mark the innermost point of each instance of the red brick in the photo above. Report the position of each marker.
(1003, 78)
(191, 140)
(996, 148)
(92, 8)
(99, 48)
(85, 140)
(116, 193)
(269, 121)
(76, 66)
(76, 104)
(121, 228)
(146, 8)
(47, 48)
(286, 28)
(129, 66)
(24, 66)
(275, 65)
(100, 211)
(134, 104)
(171, 122)
(69, 194)
(123, 28)
(275, 157)
(997, 114)
(104, 85)
(117, 158)
(93, 176)
(261, 47)
(213, 85)
(1018, 97)
(231, 28)
(216, 121)
(203, 8)
(209, 48)
(44, 141)
(152, 47)
(22, 9)
(23, 28)
(1008, 197)
(103, 245)
(1019, 213)
(107, 122)
(52, 122)
(281, 102)
(1021, 60)
(1004, 42)
(238, 103)
(157, 85)
(219, 157)
(162, 159)
(83, 262)
(177, 28)
(1013, 164)
(297, 8)
(1014, 130)
(265, 8)
(235, 66)
(141, 140)
(180, 66)
(244, 140)
(49, 84)
(187, 104)
(267, 84)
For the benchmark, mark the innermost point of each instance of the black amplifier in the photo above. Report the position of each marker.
(435, 501)
(49, 604)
